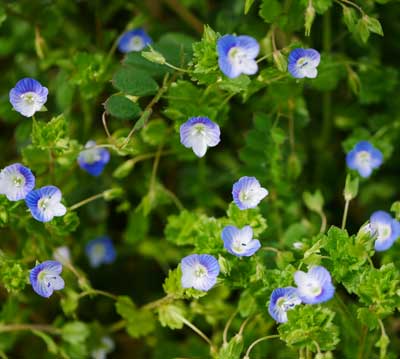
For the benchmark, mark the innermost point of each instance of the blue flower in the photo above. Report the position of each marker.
(248, 193)
(62, 255)
(100, 250)
(93, 159)
(45, 278)
(199, 271)
(199, 133)
(303, 63)
(45, 203)
(16, 181)
(134, 40)
(315, 286)
(385, 228)
(28, 96)
(282, 300)
(107, 345)
(240, 242)
(236, 55)
(364, 158)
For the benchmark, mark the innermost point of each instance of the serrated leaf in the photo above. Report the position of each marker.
(270, 10)
(121, 107)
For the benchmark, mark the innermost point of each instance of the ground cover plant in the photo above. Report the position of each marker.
(199, 179)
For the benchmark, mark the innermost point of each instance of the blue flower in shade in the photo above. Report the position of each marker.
(364, 158)
(282, 300)
(100, 250)
(199, 133)
(45, 278)
(93, 159)
(248, 193)
(28, 96)
(240, 242)
(315, 286)
(134, 40)
(199, 271)
(236, 55)
(16, 181)
(303, 63)
(45, 203)
(385, 228)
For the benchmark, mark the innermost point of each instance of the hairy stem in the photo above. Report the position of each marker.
(252, 345)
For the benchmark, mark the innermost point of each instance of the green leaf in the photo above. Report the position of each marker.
(308, 324)
(322, 6)
(395, 208)
(232, 349)
(362, 30)
(50, 343)
(70, 302)
(251, 217)
(154, 133)
(314, 201)
(350, 18)
(170, 315)
(134, 82)
(270, 10)
(373, 25)
(120, 106)
(46, 134)
(247, 303)
(139, 322)
(247, 5)
(75, 332)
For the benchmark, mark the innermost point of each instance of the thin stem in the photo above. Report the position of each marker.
(317, 346)
(247, 356)
(360, 354)
(359, 8)
(155, 167)
(195, 329)
(323, 221)
(228, 324)
(85, 201)
(273, 39)
(117, 326)
(175, 199)
(241, 329)
(155, 304)
(98, 292)
(19, 327)
(271, 249)
(346, 210)
(175, 67)
(104, 120)
(383, 348)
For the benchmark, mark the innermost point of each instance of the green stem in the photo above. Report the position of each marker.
(98, 292)
(228, 324)
(252, 345)
(20, 327)
(85, 201)
(155, 304)
(346, 210)
(359, 8)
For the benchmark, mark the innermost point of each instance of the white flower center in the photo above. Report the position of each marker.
(99, 250)
(303, 62)
(137, 43)
(384, 231)
(237, 56)
(238, 245)
(284, 304)
(313, 288)
(200, 271)
(363, 158)
(199, 130)
(18, 181)
(43, 203)
(91, 155)
(29, 97)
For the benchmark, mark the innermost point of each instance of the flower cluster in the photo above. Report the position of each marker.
(313, 287)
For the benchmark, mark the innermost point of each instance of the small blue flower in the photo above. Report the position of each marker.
(248, 193)
(93, 159)
(100, 250)
(45, 203)
(385, 228)
(106, 346)
(315, 286)
(16, 181)
(240, 242)
(199, 133)
(134, 40)
(282, 300)
(236, 55)
(45, 278)
(303, 63)
(62, 255)
(364, 158)
(199, 271)
(28, 96)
